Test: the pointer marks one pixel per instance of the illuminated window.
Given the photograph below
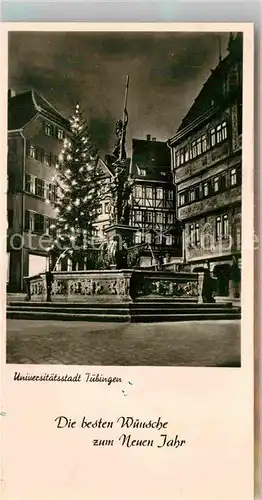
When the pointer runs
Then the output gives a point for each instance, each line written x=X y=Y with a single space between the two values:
x=148 y=238
x=206 y=189
x=233 y=177
x=191 y=234
x=60 y=134
x=159 y=194
x=225 y=226
x=197 y=234
x=48 y=129
x=149 y=193
x=138 y=216
x=204 y=143
x=107 y=208
x=192 y=195
x=224 y=131
x=213 y=136
x=198 y=146
x=194 y=149
x=216 y=184
x=138 y=238
x=149 y=217
x=159 y=217
x=141 y=171
x=182 y=199
x=177 y=159
x=218 y=228
x=32 y=152
x=168 y=239
x=138 y=191
x=186 y=155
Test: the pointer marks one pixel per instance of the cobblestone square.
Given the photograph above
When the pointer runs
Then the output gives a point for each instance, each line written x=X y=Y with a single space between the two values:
x=194 y=343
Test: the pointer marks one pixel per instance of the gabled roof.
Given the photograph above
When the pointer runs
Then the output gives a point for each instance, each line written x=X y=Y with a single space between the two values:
x=210 y=95
x=23 y=107
x=153 y=157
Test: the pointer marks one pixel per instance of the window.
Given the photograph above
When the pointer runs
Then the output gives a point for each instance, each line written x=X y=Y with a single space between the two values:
x=138 y=216
x=170 y=194
x=186 y=154
x=216 y=184
x=52 y=192
x=48 y=129
x=197 y=192
x=39 y=187
x=213 y=137
x=138 y=238
x=138 y=191
x=32 y=152
x=30 y=183
x=192 y=195
x=60 y=134
x=225 y=226
x=191 y=234
x=182 y=199
x=177 y=159
x=107 y=208
x=233 y=177
x=29 y=220
x=48 y=159
x=159 y=217
x=219 y=133
x=198 y=146
x=218 y=228
x=148 y=238
x=182 y=157
x=141 y=171
x=149 y=217
x=100 y=209
x=169 y=219
x=223 y=181
x=206 y=189
x=39 y=154
x=159 y=194
x=168 y=239
x=224 y=131
x=197 y=234
x=194 y=149
x=149 y=193
x=204 y=143
x=39 y=223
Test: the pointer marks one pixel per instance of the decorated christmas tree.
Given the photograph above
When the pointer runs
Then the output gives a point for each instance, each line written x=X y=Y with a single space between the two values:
x=78 y=180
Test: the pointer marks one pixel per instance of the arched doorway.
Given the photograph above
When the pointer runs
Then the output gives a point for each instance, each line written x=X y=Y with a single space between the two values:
x=223 y=274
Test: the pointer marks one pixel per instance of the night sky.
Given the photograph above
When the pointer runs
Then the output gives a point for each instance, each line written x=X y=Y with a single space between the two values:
x=166 y=70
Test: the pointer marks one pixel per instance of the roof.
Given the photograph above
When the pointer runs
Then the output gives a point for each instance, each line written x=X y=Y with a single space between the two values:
x=23 y=107
x=211 y=92
x=153 y=157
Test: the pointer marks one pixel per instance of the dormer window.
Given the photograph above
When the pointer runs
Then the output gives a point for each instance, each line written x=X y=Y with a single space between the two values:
x=142 y=171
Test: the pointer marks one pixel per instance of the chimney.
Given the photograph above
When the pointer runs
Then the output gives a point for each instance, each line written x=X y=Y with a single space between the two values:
x=11 y=93
x=154 y=139
x=148 y=137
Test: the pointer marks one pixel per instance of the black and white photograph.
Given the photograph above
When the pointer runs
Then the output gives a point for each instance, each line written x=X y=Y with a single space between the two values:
x=124 y=189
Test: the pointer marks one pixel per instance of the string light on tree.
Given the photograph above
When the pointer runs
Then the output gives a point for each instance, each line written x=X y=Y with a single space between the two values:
x=78 y=180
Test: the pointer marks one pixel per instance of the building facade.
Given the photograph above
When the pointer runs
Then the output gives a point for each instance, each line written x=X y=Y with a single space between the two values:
x=207 y=161
x=153 y=202
x=36 y=131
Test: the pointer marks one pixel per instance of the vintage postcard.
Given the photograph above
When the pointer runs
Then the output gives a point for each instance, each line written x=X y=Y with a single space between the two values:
x=127 y=261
